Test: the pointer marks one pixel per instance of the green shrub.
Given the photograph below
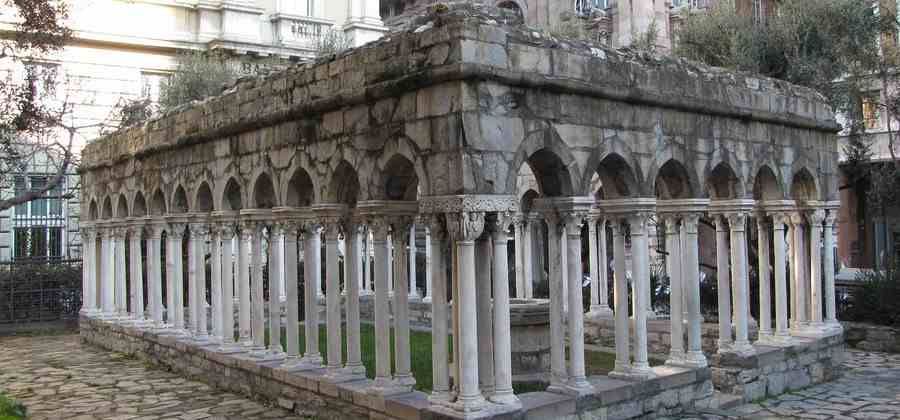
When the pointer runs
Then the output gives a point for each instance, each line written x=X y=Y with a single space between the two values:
x=11 y=409
x=876 y=299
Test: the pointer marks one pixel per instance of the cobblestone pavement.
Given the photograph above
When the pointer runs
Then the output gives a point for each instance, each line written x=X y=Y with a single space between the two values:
x=58 y=377
x=869 y=389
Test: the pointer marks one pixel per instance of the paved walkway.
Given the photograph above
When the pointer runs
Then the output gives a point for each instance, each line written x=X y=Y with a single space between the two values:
x=869 y=389
x=58 y=377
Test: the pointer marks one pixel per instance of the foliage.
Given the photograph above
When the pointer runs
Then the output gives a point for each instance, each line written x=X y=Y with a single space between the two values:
x=575 y=29
x=132 y=112
x=332 y=41
x=11 y=409
x=645 y=42
x=197 y=76
x=875 y=301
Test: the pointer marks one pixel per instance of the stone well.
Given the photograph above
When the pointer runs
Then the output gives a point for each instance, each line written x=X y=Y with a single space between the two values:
x=530 y=331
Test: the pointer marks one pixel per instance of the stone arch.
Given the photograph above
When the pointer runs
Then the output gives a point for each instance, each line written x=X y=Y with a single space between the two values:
x=766 y=185
x=517 y=6
x=179 y=201
x=803 y=186
x=398 y=147
x=550 y=145
x=618 y=179
x=122 y=207
x=722 y=183
x=399 y=180
x=344 y=186
x=231 y=198
x=107 y=208
x=158 y=203
x=93 y=211
x=139 y=208
x=300 y=191
x=527 y=200
x=263 y=193
x=203 y=201
x=673 y=181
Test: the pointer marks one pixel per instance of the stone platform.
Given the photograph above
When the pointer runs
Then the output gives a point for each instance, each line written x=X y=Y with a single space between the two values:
x=311 y=393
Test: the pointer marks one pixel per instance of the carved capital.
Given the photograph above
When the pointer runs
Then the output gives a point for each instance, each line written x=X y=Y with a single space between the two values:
x=671 y=222
x=466 y=226
x=689 y=223
x=830 y=218
x=499 y=225
x=816 y=217
x=198 y=230
x=573 y=221
x=737 y=221
x=435 y=225
x=779 y=220
x=638 y=222
x=797 y=219
x=379 y=227
x=177 y=230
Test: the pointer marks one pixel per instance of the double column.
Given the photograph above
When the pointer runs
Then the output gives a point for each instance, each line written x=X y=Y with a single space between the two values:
x=89 y=304
x=599 y=269
x=734 y=290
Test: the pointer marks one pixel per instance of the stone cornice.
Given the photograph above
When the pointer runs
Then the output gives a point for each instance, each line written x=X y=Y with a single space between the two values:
x=468 y=203
x=682 y=206
x=626 y=206
x=723 y=207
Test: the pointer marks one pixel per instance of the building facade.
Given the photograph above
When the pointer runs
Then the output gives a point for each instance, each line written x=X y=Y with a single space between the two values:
x=122 y=50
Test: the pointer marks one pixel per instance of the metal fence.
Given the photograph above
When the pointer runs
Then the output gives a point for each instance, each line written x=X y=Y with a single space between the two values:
x=33 y=291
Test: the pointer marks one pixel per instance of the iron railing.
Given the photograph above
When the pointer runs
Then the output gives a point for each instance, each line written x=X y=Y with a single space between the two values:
x=41 y=290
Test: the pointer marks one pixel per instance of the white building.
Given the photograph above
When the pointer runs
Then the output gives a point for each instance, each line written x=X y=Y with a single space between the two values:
x=122 y=49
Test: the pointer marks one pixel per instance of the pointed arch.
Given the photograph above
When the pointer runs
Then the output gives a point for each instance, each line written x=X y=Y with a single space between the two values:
x=107 y=208
x=231 y=196
x=300 y=192
x=93 y=211
x=139 y=208
x=344 y=186
x=561 y=172
x=179 y=201
x=203 y=201
x=673 y=181
x=766 y=185
x=158 y=203
x=722 y=183
x=803 y=186
x=397 y=147
x=263 y=193
x=617 y=178
x=122 y=207
x=399 y=180
x=527 y=200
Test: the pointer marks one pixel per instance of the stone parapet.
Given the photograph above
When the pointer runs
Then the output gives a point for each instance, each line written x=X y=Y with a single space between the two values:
x=872 y=337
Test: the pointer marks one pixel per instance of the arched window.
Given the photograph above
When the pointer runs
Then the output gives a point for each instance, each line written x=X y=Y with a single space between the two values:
x=511 y=5
x=587 y=7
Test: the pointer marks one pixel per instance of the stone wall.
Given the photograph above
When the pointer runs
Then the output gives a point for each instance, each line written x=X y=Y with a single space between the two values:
x=602 y=332
x=872 y=337
x=776 y=370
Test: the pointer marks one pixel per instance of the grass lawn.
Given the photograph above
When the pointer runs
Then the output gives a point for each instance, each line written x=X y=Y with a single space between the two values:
x=10 y=409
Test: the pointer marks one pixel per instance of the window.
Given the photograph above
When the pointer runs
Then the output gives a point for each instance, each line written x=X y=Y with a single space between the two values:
x=21 y=209
x=38 y=225
x=38 y=206
x=758 y=11
x=150 y=84
x=870 y=111
x=587 y=7
x=40 y=79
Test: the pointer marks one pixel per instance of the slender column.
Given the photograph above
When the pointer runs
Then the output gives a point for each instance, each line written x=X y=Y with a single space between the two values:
x=193 y=300
x=765 y=282
x=738 y=222
x=503 y=390
x=691 y=286
x=89 y=277
x=202 y=235
x=640 y=270
x=312 y=260
x=402 y=363
x=816 y=218
x=800 y=280
x=440 y=389
x=593 y=263
x=792 y=270
x=383 y=378
x=175 y=277
x=674 y=270
x=107 y=275
x=830 y=310
x=136 y=274
x=528 y=262
x=121 y=292
x=519 y=249
x=215 y=262
x=620 y=295
x=428 y=262
x=333 y=295
x=413 y=250
x=781 y=297
x=483 y=314
x=558 y=373
x=292 y=329
x=724 y=282
x=368 y=271
x=603 y=309
x=257 y=314
x=155 y=249
x=354 y=246
x=577 y=378
x=275 y=282
x=390 y=272
x=226 y=313
x=245 y=248
x=464 y=228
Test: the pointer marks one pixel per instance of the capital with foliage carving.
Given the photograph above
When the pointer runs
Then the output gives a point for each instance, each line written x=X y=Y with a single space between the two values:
x=573 y=221
x=499 y=225
x=465 y=226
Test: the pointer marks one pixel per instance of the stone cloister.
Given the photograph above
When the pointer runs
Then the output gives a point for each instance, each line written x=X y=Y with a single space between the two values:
x=434 y=130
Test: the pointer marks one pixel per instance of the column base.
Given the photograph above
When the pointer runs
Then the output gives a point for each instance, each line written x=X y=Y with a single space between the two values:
x=426 y=299
x=312 y=360
x=293 y=363
x=600 y=312
x=632 y=374
x=440 y=397
x=724 y=346
x=743 y=348
x=358 y=371
x=386 y=387
x=642 y=372
x=775 y=340
x=506 y=398
x=579 y=386
x=230 y=348
x=834 y=326
x=676 y=358
x=694 y=359
x=266 y=355
x=469 y=404
x=406 y=380
x=338 y=375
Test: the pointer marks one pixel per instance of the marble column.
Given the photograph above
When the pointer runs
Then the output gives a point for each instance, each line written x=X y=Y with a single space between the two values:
x=88 y=277
x=353 y=240
x=383 y=378
x=528 y=263
x=738 y=223
x=402 y=363
x=332 y=295
x=519 y=249
x=175 y=277
x=368 y=271
x=602 y=309
x=227 y=231
x=413 y=250
x=577 y=381
x=723 y=278
x=107 y=279
x=215 y=283
x=620 y=296
x=193 y=250
x=464 y=228
x=137 y=273
x=765 y=282
x=503 y=390
x=782 y=333
x=245 y=249
x=831 y=321
x=428 y=262
x=292 y=329
x=257 y=301
x=312 y=273
x=154 y=258
x=120 y=282
x=690 y=253
x=640 y=258
x=593 y=263
x=674 y=261
x=276 y=280
x=558 y=372
x=483 y=314
x=440 y=365
x=816 y=217
x=800 y=291
x=202 y=235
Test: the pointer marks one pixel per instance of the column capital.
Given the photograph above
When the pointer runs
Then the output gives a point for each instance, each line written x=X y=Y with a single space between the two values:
x=176 y=229
x=435 y=225
x=638 y=222
x=574 y=220
x=465 y=226
x=797 y=218
x=830 y=218
x=331 y=226
x=156 y=230
x=379 y=225
x=671 y=224
x=400 y=224
x=737 y=220
x=816 y=216
x=690 y=222
x=198 y=229
x=499 y=224
x=227 y=229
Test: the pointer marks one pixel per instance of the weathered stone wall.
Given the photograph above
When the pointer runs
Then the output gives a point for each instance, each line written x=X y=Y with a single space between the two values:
x=776 y=370
x=872 y=337
x=602 y=332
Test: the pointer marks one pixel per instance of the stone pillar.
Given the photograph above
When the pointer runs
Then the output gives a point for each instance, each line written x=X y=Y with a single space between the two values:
x=800 y=291
x=292 y=329
x=354 y=351
x=816 y=217
x=691 y=286
x=368 y=271
x=577 y=381
x=781 y=297
x=192 y=251
x=312 y=260
x=199 y=234
x=831 y=321
x=528 y=262
x=674 y=261
x=558 y=372
x=737 y=222
x=215 y=301
x=175 y=276
x=257 y=302
x=440 y=369
x=428 y=262
x=593 y=263
x=227 y=232
x=154 y=257
x=107 y=279
x=602 y=310
x=274 y=264
x=332 y=295
x=620 y=295
x=121 y=292
x=390 y=262
x=383 y=377
x=483 y=288
x=519 y=249
x=402 y=363
x=765 y=282
x=640 y=272
x=245 y=246
x=413 y=250
x=723 y=277
x=503 y=390
x=464 y=228
x=88 y=276
x=137 y=273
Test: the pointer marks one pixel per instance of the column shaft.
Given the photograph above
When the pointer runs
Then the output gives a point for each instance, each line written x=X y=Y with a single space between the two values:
x=156 y=275
x=312 y=260
x=257 y=306
x=332 y=296
x=428 y=262
x=227 y=298
x=354 y=262
x=594 y=264
x=519 y=249
x=402 y=363
x=723 y=275
x=828 y=266
x=765 y=282
x=108 y=274
x=440 y=365
x=528 y=263
x=815 y=268
x=121 y=272
x=741 y=290
x=381 y=270
x=558 y=373
x=137 y=275
x=640 y=249
x=577 y=377
x=781 y=296
x=200 y=270
x=215 y=294
x=483 y=314
x=691 y=286
x=245 y=246
x=603 y=272
x=465 y=228
x=292 y=329
x=276 y=281
x=674 y=270
x=503 y=390
x=620 y=295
